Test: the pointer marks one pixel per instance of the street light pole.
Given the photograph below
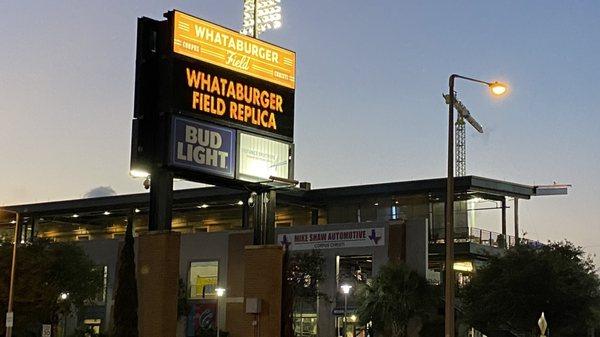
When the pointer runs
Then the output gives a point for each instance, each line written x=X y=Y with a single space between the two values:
x=345 y=313
x=346 y=290
x=497 y=89
x=449 y=215
x=9 y=311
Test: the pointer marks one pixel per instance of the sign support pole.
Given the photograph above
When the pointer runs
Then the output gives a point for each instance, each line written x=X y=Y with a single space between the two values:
x=161 y=200
x=264 y=218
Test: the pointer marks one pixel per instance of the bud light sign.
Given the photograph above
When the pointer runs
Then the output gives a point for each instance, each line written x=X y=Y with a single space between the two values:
x=202 y=147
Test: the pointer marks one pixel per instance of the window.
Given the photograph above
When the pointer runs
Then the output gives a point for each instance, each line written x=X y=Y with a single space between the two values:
x=305 y=324
x=203 y=279
x=100 y=298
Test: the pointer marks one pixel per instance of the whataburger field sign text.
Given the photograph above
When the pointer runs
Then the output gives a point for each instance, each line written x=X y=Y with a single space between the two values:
x=222 y=47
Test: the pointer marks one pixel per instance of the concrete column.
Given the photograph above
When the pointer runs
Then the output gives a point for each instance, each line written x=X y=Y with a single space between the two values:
x=417 y=244
x=326 y=319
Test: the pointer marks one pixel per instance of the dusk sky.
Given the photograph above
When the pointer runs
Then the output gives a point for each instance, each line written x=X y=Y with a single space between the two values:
x=369 y=109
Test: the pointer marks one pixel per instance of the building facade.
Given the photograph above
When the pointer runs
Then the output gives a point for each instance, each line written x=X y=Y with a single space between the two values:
x=356 y=229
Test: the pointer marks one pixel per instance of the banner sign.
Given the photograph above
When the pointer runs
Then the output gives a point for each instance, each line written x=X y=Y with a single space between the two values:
x=369 y=237
x=231 y=99
x=226 y=48
x=260 y=158
x=202 y=147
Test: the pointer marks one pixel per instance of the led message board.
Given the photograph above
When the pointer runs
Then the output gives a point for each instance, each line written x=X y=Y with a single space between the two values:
x=224 y=97
x=226 y=48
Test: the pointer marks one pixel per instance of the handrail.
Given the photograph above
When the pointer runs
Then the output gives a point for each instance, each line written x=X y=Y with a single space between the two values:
x=479 y=236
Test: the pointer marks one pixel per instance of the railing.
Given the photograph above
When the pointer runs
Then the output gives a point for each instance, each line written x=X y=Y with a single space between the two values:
x=478 y=236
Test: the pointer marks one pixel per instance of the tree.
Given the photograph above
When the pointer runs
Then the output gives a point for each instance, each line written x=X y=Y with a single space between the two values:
x=511 y=291
x=395 y=296
x=303 y=273
x=126 y=299
x=44 y=271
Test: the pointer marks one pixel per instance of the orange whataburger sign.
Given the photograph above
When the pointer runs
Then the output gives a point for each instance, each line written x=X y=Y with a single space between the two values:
x=225 y=48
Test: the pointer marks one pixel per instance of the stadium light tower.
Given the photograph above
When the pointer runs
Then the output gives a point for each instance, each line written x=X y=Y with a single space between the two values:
x=261 y=15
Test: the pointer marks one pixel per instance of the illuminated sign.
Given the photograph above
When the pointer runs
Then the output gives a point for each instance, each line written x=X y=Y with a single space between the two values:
x=260 y=158
x=349 y=238
x=228 y=98
x=202 y=147
x=226 y=48
x=203 y=93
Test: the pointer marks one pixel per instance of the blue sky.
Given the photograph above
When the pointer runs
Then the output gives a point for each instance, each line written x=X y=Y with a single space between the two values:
x=368 y=99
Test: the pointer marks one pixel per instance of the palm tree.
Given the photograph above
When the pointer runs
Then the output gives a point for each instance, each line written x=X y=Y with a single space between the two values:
x=395 y=296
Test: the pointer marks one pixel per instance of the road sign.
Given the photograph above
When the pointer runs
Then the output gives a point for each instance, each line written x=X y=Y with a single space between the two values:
x=10 y=317
x=46 y=330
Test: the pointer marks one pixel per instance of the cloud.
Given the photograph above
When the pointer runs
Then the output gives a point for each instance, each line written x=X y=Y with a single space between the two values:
x=100 y=191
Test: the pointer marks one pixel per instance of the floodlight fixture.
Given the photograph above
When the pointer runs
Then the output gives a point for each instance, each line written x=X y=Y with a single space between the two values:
x=139 y=173
x=267 y=14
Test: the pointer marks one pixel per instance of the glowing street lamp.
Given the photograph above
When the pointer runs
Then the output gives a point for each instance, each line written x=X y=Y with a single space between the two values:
x=497 y=89
x=61 y=298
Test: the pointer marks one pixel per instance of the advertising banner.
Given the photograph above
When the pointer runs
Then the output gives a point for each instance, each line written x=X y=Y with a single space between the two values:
x=368 y=237
x=226 y=97
x=202 y=147
x=229 y=49
x=260 y=158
